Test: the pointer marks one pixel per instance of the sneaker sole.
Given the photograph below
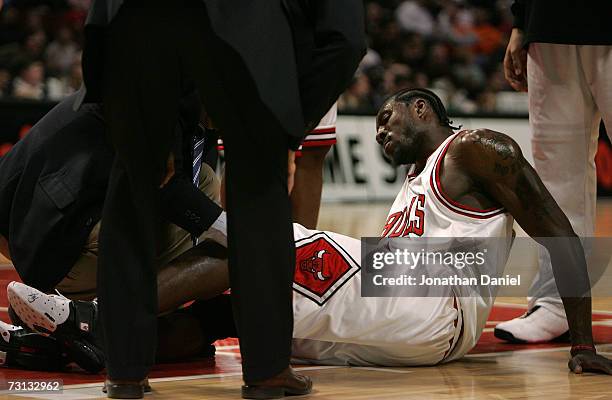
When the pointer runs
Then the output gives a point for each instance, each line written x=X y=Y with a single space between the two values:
x=35 y=316
x=507 y=336
x=510 y=338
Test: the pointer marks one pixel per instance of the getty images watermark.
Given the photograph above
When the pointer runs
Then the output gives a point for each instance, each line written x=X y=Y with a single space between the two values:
x=464 y=267
x=457 y=260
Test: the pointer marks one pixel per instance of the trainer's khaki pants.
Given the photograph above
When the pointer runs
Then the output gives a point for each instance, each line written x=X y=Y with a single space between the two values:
x=80 y=283
x=570 y=92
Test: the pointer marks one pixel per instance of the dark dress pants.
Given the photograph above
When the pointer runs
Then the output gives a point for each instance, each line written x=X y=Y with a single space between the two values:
x=151 y=51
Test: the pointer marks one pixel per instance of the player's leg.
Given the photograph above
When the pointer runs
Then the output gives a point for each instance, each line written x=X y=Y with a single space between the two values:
x=189 y=332
x=564 y=123
x=182 y=334
x=198 y=274
x=306 y=194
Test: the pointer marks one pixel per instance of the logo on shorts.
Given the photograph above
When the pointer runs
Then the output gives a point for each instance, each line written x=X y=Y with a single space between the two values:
x=322 y=267
x=315 y=265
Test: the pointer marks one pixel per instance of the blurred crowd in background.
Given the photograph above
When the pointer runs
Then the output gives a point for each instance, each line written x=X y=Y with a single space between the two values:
x=454 y=47
x=40 y=48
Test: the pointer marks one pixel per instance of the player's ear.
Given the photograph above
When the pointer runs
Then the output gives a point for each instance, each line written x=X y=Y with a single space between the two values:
x=420 y=107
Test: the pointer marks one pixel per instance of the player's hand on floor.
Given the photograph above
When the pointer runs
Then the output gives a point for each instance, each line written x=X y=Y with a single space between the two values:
x=589 y=361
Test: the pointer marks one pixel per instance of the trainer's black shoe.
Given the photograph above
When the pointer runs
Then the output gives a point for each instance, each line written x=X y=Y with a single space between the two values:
x=287 y=383
x=126 y=390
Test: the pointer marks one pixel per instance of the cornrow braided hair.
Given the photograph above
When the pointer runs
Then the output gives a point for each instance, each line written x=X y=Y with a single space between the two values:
x=407 y=95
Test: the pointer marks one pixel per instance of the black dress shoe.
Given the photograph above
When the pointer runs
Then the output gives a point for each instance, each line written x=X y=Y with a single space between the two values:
x=287 y=383
x=126 y=389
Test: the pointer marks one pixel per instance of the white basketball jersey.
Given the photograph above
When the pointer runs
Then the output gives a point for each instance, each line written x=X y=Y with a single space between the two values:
x=422 y=208
x=335 y=325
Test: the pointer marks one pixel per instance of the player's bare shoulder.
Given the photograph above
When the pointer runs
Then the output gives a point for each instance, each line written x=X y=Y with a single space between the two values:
x=483 y=151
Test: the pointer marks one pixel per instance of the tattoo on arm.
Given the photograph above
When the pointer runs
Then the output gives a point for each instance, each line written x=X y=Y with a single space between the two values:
x=501 y=145
x=503 y=159
x=506 y=161
x=503 y=170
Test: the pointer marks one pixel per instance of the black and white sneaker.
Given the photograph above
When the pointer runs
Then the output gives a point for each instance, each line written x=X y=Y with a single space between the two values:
x=72 y=323
x=40 y=312
x=20 y=348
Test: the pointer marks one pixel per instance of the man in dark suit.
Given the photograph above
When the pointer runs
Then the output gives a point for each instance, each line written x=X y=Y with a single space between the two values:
x=52 y=184
x=241 y=54
x=44 y=214
x=52 y=187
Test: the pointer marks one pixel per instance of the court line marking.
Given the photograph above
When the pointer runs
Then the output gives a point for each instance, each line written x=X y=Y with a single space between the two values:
x=194 y=377
x=395 y=371
x=603 y=322
x=236 y=374
x=524 y=307
x=526 y=351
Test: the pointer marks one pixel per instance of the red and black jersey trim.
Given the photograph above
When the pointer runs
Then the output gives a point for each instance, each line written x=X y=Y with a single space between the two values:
x=319 y=143
x=319 y=137
x=451 y=204
x=327 y=129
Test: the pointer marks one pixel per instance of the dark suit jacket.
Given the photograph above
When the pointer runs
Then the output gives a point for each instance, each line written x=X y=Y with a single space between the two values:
x=298 y=85
x=52 y=186
x=53 y=183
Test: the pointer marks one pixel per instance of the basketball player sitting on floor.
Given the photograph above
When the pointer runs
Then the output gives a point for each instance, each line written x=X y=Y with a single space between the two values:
x=465 y=184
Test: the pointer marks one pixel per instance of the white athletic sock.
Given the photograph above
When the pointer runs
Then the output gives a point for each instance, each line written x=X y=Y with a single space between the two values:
x=220 y=223
x=218 y=230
